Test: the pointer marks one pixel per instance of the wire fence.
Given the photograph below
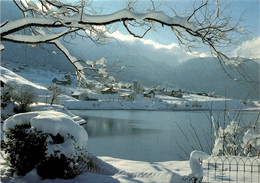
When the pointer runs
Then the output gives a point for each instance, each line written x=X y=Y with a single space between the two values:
x=232 y=169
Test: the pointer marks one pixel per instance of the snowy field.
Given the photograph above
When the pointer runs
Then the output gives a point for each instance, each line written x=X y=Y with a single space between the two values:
x=114 y=170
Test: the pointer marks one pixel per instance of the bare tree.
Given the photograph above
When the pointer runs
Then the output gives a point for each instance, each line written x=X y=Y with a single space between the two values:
x=55 y=92
x=45 y=21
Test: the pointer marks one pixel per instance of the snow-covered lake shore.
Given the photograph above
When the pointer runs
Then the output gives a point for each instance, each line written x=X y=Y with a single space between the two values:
x=169 y=104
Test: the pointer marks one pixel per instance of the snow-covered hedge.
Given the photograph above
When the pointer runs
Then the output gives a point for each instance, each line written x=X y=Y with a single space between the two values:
x=49 y=141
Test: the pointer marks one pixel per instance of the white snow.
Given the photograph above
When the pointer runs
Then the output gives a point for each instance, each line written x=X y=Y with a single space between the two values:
x=42 y=79
x=158 y=16
x=195 y=165
x=108 y=169
x=232 y=127
x=51 y=122
x=13 y=24
x=67 y=148
x=106 y=101
x=114 y=170
x=9 y=76
x=252 y=138
x=35 y=38
x=218 y=146
x=159 y=102
x=2 y=47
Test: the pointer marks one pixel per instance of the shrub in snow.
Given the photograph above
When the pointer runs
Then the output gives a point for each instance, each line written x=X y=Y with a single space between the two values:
x=228 y=140
x=24 y=149
x=251 y=141
x=47 y=141
x=23 y=96
x=7 y=106
x=7 y=92
x=234 y=140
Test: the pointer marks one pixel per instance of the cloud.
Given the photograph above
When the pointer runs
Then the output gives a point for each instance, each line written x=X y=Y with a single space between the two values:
x=249 y=49
x=153 y=50
x=126 y=47
x=123 y=37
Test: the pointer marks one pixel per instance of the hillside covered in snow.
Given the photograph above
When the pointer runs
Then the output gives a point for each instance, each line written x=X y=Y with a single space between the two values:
x=122 y=96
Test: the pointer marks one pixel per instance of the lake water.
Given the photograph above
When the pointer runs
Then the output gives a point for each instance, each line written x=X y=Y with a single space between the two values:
x=151 y=135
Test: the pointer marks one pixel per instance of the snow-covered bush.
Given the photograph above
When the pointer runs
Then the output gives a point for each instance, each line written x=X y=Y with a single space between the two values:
x=48 y=141
x=251 y=141
x=235 y=140
x=228 y=141
x=25 y=150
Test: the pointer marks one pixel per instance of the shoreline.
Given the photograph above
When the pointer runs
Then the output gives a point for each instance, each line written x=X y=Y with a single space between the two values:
x=179 y=110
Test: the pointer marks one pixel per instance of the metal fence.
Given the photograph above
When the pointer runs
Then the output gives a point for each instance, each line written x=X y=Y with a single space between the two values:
x=231 y=169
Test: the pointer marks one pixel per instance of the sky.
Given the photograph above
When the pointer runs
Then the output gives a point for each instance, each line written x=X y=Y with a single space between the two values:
x=164 y=38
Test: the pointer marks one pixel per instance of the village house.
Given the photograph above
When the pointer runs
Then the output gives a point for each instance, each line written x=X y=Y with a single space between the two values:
x=61 y=82
x=108 y=91
x=83 y=96
x=127 y=97
x=149 y=93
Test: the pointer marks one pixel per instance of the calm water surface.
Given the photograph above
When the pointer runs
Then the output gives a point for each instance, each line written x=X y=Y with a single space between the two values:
x=149 y=135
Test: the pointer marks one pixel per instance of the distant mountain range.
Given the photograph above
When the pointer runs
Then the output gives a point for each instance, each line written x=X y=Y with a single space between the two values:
x=150 y=68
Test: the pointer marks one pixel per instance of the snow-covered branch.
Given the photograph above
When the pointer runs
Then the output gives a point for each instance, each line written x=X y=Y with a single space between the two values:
x=33 y=39
x=56 y=19
x=2 y=47
x=19 y=24
x=73 y=60
x=76 y=21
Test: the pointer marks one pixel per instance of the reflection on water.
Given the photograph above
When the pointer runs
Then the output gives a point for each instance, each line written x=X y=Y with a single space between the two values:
x=102 y=127
x=145 y=135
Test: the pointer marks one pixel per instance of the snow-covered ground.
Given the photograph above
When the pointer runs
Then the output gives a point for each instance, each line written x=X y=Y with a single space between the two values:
x=114 y=170
x=161 y=102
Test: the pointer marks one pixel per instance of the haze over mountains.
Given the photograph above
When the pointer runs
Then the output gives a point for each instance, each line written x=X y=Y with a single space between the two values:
x=146 y=63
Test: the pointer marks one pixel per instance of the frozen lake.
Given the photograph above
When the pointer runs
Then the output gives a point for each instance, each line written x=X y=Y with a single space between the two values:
x=150 y=135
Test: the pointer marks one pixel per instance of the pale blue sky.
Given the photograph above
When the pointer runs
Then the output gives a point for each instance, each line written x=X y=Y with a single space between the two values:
x=248 y=9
